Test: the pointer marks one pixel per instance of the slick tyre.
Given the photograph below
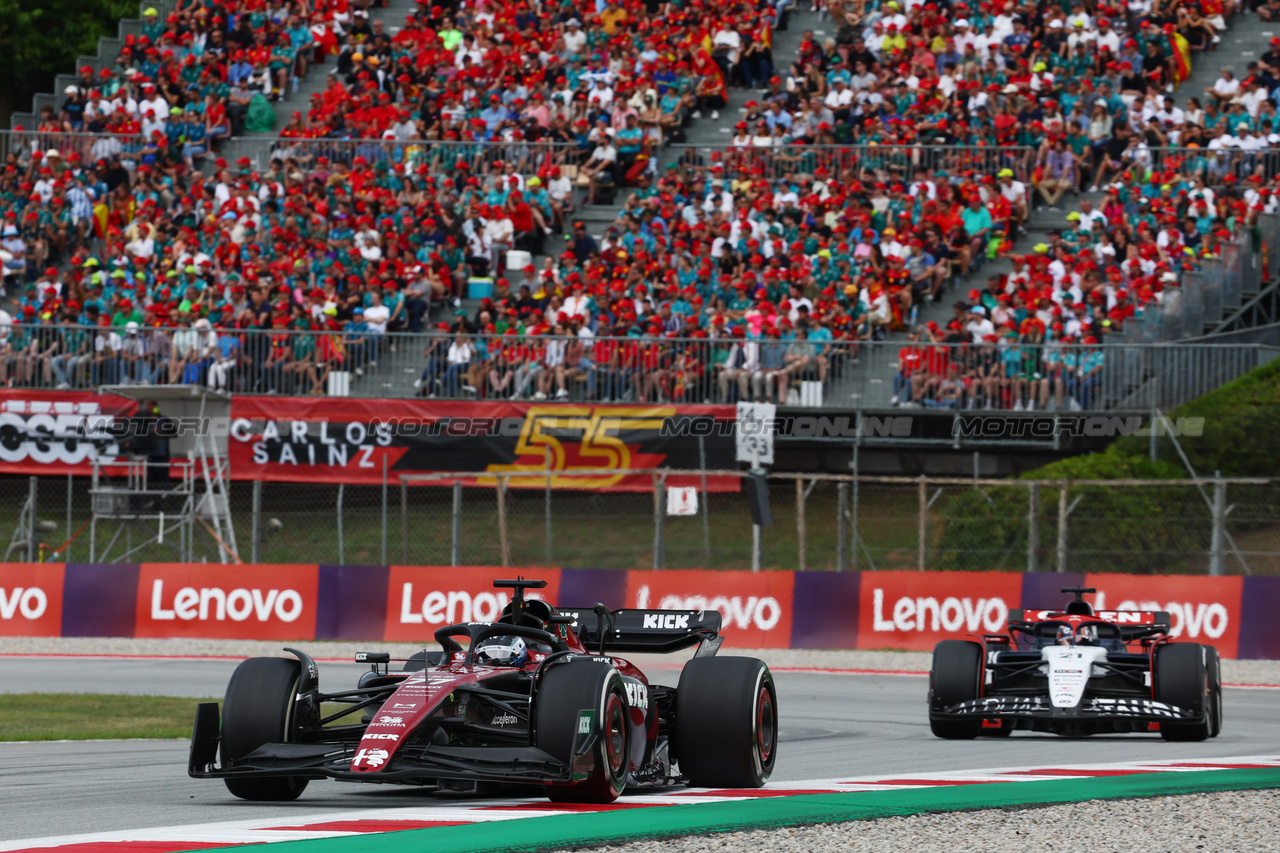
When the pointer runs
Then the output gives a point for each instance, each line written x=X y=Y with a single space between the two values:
x=1182 y=679
x=258 y=708
x=726 y=733
x=1213 y=668
x=566 y=689
x=955 y=677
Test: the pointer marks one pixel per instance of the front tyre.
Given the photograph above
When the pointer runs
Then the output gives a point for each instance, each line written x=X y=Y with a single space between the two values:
x=257 y=709
x=1182 y=679
x=566 y=689
x=726 y=722
x=955 y=677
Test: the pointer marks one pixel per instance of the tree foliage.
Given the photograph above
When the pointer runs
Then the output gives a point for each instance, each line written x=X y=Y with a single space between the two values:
x=1132 y=529
x=41 y=40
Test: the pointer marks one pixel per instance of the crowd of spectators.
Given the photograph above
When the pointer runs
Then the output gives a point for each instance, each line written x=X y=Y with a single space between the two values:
x=738 y=274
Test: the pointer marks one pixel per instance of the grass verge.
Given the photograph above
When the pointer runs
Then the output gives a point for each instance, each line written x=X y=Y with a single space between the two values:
x=94 y=716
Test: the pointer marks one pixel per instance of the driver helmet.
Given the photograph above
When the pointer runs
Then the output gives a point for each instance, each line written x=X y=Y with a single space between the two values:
x=1064 y=635
x=1087 y=635
x=502 y=651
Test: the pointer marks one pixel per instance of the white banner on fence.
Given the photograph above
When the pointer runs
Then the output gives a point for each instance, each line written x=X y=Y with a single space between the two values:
x=682 y=500
x=753 y=437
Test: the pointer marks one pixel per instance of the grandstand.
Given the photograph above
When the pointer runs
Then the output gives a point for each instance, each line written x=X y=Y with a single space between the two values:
x=694 y=223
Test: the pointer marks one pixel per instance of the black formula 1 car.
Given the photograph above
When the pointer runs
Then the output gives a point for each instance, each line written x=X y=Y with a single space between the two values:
x=1076 y=672
x=536 y=697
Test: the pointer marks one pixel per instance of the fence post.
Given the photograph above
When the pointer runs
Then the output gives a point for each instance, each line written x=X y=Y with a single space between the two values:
x=659 y=487
x=1062 y=528
x=842 y=496
x=706 y=520
x=33 y=491
x=66 y=554
x=455 y=552
x=503 y=546
x=384 y=509
x=404 y=520
x=546 y=455
x=1033 y=528
x=255 y=522
x=341 y=552
x=922 y=491
x=800 y=531
x=853 y=520
x=1219 y=522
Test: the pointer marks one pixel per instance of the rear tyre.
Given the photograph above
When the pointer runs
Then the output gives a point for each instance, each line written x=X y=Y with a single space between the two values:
x=1213 y=669
x=955 y=677
x=726 y=732
x=1182 y=679
x=257 y=709
x=565 y=690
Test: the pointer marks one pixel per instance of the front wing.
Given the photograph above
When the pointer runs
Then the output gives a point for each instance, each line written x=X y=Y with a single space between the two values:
x=1097 y=708
x=412 y=764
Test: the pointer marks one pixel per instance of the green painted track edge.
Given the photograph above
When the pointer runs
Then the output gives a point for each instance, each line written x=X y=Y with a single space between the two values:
x=555 y=832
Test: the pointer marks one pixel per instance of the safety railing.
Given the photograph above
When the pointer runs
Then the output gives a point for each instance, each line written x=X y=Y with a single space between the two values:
x=815 y=372
x=865 y=162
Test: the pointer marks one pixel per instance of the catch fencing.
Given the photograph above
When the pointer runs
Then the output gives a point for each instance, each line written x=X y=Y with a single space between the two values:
x=1214 y=526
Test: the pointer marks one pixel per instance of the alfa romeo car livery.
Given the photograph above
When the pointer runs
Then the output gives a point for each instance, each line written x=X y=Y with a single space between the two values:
x=1076 y=672
x=537 y=697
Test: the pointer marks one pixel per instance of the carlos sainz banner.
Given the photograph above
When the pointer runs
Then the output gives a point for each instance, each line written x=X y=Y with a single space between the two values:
x=332 y=440
x=350 y=440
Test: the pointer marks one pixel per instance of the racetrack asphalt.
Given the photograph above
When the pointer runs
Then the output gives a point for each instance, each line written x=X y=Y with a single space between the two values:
x=831 y=725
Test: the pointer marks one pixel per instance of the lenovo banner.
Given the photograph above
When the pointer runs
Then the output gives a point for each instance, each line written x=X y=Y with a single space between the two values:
x=914 y=610
x=799 y=610
x=31 y=600
x=755 y=608
x=1201 y=609
x=275 y=602
x=60 y=432
x=349 y=441
x=422 y=599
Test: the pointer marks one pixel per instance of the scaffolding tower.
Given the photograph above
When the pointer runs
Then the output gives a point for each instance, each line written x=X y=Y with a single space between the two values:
x=132 y=511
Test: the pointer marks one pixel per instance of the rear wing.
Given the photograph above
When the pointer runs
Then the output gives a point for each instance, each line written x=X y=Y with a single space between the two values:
x=640 y=631
x=1133 y=624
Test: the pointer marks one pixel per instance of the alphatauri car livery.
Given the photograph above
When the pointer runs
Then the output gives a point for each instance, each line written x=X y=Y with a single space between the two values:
x=537 y=697
x=1076 y=672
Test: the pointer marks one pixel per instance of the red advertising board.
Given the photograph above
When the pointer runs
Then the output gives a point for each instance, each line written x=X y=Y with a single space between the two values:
x=1201 y=609
x=31 y=599
x=914 y=610
x=58 y=432
x=275 y=602
x=309 y=439
x=421 y=599
x=755 y=608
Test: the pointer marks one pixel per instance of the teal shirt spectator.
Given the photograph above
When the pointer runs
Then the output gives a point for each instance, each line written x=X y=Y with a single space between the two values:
x=629 y=140
x=820 y=337
x=300 y=37
x=976 y=221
